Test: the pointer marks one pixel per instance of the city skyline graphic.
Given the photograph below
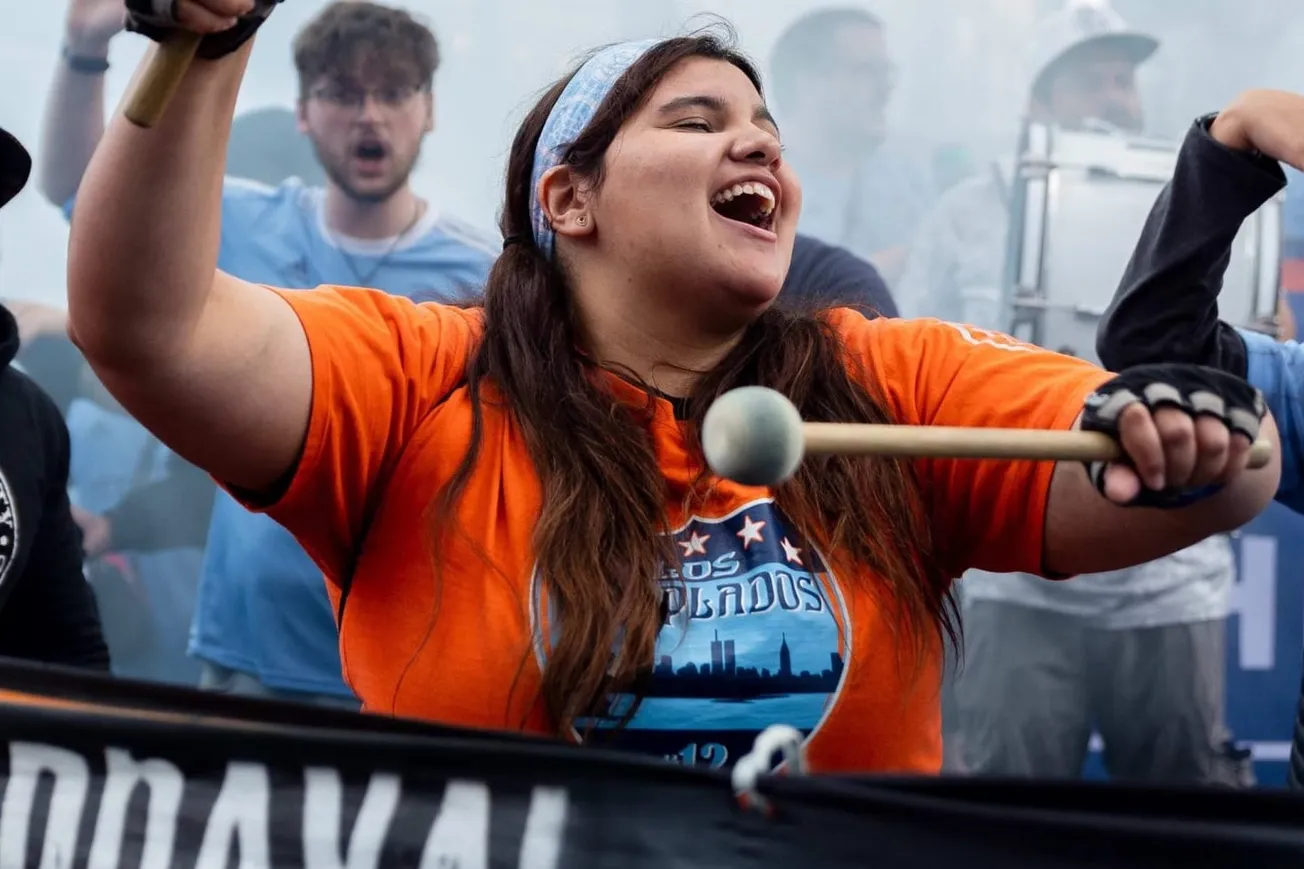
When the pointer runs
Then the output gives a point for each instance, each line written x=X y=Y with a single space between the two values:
x=754 y=634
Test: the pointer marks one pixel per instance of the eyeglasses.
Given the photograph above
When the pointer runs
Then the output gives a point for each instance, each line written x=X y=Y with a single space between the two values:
x=355 y=98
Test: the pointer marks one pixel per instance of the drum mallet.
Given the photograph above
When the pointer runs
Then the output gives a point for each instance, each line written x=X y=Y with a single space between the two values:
x=160 y=79
x=755 y=436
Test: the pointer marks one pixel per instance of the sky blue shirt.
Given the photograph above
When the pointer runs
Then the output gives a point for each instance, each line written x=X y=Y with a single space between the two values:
x=1277 y=369
x=262 y=606
x=111 y=455
x=1292 y=215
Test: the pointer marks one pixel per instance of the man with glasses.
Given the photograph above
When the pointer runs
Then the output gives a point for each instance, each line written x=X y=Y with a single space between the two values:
x=831 y=80
x=263 y=624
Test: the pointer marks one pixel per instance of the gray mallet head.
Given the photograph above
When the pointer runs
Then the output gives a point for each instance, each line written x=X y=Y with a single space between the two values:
x=752 y=435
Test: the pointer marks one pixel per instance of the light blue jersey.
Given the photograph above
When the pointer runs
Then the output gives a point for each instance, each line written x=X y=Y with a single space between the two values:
x=262 y=605
x=1277 y=369
x=111 y=455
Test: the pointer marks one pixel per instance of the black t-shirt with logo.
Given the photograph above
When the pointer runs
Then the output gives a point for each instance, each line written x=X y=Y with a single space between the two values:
x=47 y=609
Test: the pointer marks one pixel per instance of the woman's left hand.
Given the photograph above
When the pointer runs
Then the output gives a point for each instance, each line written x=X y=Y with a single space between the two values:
x=1185 y=429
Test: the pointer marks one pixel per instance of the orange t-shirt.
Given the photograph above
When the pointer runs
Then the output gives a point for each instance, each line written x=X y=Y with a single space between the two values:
x=759 y=632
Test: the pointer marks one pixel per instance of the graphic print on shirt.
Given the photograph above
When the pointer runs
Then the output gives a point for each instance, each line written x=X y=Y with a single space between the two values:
x=8 y=527
x=979 y=336
x=756 y=633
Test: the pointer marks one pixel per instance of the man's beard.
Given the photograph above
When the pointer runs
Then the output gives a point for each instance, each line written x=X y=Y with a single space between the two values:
x=340 y=178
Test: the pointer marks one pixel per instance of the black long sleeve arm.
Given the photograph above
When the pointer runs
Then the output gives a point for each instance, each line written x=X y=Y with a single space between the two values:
x=1166 y=307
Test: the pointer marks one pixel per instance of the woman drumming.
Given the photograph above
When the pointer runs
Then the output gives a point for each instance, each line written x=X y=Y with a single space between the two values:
x=509 y=503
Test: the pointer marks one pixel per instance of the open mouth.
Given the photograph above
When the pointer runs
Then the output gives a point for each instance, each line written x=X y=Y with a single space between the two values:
x=751 y=203
x=370 y=151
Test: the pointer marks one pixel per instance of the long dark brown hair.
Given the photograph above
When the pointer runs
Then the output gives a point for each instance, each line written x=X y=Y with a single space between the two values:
x=602 y=487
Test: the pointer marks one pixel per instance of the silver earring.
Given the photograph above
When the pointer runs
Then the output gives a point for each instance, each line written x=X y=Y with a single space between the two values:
x=582 y=220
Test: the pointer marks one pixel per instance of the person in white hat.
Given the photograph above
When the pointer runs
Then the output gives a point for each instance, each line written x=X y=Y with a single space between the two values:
x=1082 y=73
x=1136 y=654
x=1084 y=64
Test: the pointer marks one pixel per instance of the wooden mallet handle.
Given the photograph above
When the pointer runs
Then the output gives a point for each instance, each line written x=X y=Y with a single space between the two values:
x=154 y=89
x=926 y=441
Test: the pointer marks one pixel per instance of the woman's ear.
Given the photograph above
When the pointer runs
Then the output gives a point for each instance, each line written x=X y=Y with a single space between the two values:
x=565 y=203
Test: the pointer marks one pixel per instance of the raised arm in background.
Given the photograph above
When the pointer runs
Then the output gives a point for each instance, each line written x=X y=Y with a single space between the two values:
x=74 y=109
x=218 y=368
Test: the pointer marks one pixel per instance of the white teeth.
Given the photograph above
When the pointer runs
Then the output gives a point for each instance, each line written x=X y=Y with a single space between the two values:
x=753 y=188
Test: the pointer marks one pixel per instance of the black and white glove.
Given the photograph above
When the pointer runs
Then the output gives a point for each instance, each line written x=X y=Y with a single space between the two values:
x=1193 y=389
x=157 y=20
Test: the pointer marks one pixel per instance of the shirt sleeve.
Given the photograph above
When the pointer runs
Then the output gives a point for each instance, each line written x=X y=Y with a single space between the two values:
x=1277 y=369
x=1292 y=233
x=379 y=364
x=986 y=514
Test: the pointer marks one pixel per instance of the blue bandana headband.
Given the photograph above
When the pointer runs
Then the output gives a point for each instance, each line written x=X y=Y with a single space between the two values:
x=572 y=112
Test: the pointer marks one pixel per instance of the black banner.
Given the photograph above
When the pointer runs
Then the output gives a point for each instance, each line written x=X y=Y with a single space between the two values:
x=98 y=774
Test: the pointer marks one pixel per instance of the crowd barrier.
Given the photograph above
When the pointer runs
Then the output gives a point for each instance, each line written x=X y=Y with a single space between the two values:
x=100 y=773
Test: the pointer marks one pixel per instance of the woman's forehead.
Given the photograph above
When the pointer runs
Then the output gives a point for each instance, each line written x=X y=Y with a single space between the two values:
x=706 y=77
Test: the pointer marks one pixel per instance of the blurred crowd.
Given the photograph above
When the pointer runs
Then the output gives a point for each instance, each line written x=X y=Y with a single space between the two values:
x=195 y=590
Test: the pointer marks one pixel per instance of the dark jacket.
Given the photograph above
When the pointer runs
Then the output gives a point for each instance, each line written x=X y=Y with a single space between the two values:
x=47 y=609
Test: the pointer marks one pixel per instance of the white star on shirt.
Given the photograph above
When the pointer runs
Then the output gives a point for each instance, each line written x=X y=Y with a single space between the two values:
x=751 y=532
x=791 y=552
x=695 y=544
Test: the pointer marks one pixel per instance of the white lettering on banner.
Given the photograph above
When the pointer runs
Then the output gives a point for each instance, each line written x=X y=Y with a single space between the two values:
x=323 y=811
x=241 y=817
x=1254 y=599
x=27 y=763
x=240 y=813
x=165 y=785
x=459 y=838
x=545 y=827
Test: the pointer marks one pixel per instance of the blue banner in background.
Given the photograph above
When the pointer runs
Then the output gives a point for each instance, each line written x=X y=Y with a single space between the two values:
x=1265 y=642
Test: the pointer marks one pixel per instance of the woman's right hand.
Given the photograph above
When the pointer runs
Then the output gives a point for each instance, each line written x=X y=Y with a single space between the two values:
x=211 y=16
